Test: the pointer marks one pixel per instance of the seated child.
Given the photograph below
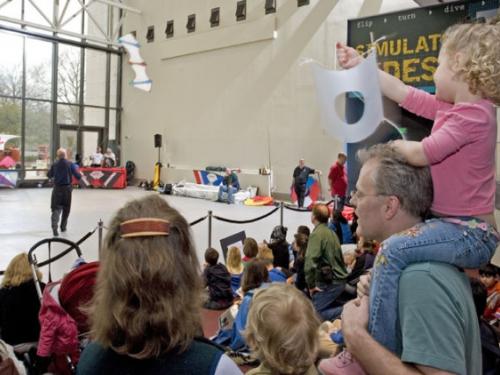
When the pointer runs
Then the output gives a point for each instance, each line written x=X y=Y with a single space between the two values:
x=254 y=276
x=265 y=254
x=235 y=267
x=279 y=246
x=300 y=243
x=282 y=331
x=250 y=250
x=293 y=249
x=490 y=277
x=218 y=282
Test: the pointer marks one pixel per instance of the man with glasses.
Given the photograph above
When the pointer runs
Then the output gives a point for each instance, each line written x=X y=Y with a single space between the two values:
x=436 y=327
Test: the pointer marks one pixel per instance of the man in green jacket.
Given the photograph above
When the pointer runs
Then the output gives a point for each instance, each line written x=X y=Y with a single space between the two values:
x=324 y=265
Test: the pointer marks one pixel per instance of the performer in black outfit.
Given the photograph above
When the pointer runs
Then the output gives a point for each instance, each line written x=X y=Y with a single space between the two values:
x=61 y=172
x=300 y=175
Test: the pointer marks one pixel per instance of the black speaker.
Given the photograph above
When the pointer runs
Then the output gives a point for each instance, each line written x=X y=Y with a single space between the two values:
x=158 y=140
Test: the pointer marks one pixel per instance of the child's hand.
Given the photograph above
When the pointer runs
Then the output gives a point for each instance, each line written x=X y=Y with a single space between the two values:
x=347 y=57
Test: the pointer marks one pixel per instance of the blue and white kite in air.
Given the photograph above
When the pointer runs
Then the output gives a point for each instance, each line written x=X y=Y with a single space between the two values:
x=131 y=45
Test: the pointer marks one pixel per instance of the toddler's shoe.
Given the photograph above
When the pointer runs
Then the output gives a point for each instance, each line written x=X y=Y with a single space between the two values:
x=342 y=364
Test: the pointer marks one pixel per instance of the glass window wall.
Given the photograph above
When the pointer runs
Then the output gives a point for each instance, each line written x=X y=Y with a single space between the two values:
x=55 y=90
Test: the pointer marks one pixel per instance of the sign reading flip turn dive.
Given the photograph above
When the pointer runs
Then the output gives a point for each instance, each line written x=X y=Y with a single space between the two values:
x=413 y=37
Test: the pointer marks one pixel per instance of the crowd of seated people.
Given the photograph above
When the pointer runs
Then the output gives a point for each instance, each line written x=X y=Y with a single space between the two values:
x=136 y=273
x=146 y=313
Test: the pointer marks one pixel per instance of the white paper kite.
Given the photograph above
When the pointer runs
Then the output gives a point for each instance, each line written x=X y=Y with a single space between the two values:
x=363 y=79
x=131 y=45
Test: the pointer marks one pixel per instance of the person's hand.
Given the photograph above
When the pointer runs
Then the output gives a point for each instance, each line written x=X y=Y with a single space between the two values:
x=347 y=57
x=315 y=290
x=363 y=287
x=396 y=144
x=319 y=172
x=355 y=318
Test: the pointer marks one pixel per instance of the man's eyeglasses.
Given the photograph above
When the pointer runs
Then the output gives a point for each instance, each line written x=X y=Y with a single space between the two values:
x=360 y=195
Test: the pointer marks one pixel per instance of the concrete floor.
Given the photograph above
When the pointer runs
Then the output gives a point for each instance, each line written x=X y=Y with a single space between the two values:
x=25 y=220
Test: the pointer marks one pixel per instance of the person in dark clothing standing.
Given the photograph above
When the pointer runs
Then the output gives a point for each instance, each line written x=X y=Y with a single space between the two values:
x=218 y=281
x=300 y=174
x=61 y=172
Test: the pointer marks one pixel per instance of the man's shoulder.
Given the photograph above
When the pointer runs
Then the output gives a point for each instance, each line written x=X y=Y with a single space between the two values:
x=432 y=269
x=434 y=276
x=438 y=320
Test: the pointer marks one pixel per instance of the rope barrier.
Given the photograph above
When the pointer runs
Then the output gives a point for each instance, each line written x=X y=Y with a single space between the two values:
x=291 y=208
x=59 y=256
x=246 y=221
x=197 y=221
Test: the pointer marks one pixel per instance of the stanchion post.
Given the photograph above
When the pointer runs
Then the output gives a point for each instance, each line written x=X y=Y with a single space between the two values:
x=210 y=228
x=100 y=226
x=282 y=208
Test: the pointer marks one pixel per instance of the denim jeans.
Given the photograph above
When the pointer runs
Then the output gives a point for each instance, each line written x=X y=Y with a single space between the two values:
x=325 y=301
x=230 y=193
x=461 y=241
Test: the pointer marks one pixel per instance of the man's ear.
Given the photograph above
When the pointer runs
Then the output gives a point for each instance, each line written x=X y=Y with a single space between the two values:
x=391 y=207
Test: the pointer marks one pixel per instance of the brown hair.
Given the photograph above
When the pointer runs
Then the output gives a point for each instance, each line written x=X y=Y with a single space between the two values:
x=19 y=271
x=265 y=254
x=304 y=229
x=479 y=44
x=148 y=294
x=394 y=176
x=254 y=275
x=321 y=213
x=367 y=246
x=211 y=256
x=250 y=247
x=301 y=241
x=282 y=329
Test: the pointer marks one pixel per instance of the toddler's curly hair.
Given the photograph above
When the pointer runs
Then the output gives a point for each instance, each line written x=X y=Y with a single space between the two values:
x=480 y=45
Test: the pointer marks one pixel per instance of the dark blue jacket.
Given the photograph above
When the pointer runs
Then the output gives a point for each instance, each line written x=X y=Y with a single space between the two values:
x=62 y=170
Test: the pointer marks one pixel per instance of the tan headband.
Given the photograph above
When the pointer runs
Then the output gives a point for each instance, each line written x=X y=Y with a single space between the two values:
x=145 y=227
